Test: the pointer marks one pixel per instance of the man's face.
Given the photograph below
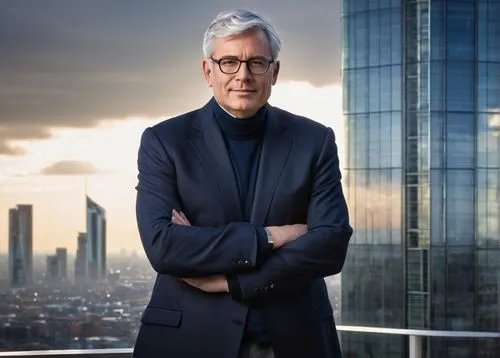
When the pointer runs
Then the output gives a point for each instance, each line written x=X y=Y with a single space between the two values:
x=241 y=93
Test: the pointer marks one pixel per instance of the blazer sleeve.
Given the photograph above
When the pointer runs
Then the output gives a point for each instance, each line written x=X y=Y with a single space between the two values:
x=183 y=251
x=320 y=252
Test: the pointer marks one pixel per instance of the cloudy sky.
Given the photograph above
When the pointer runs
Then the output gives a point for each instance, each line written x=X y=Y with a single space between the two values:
x=80 y=80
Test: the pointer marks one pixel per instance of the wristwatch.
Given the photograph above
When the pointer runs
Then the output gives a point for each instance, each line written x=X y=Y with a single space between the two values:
x=270 y=240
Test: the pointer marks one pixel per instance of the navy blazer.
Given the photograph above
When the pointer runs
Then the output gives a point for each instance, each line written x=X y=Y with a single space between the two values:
x=183 y=164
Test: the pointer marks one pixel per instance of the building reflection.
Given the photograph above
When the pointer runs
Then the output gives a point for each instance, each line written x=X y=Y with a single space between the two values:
x=421 y=106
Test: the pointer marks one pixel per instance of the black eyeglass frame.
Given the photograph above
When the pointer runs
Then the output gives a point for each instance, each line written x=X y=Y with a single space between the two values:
x=247 y=62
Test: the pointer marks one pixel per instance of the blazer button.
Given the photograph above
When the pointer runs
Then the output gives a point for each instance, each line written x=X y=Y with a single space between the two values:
x=246 y=262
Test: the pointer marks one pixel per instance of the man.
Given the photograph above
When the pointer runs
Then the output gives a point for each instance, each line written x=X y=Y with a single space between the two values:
x=241 y=213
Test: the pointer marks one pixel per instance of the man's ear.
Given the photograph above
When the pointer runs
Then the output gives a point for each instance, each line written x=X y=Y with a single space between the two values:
x=207 y=72
x=276 y=70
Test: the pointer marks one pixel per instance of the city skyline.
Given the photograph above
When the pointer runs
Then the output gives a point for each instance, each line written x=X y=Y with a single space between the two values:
x=73 y=108
x=90 y=254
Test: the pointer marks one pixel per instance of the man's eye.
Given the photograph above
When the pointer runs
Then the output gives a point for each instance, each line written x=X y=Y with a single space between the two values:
x=258 y=63
x=229 y=62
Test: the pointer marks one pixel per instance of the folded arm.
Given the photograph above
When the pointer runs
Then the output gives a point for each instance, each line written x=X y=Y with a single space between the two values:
x=219 y=283
x=320 y=252
x=182 y=250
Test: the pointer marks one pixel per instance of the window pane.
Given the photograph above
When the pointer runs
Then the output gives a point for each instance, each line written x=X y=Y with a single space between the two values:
x=385 y=88
x=350 y=126
x=437 y=26
x=482 y=32
x=395 y=26
x=460 y=147
x=374 y=36
x=494 y=32
x=373 y=4
x=385 y=145
x=385 y=37
x=396 y=88
x=460 y=288
x=482 y=87
x=396 y=140
x=493 y=87
x=460 y=207
x=436 y=207
x=437 y=84
x=460 y=86
x=374 y=141
x=374 y=91
x=361 y=42
x=361 y=142
x=460 y=30
x=361 y=91
x=359 y=5
x=437 y=139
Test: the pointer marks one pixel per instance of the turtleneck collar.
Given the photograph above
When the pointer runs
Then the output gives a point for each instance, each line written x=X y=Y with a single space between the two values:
x=236 y=128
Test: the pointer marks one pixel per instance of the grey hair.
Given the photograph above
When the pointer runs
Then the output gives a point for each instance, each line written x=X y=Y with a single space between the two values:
x=238 y=21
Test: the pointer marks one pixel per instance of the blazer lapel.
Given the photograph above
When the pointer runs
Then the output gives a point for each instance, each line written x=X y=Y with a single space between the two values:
x=208 y=143
x=275 y=150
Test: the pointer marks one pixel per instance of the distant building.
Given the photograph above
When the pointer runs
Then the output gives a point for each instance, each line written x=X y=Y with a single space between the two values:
x=95 y=264
x=114 y=277
x=52 y=268
x=21 y=245
x=57 y=265
x=62 y=257
x=81 y=257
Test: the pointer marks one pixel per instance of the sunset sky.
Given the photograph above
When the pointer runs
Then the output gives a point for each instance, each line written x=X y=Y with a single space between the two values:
x=81 y=80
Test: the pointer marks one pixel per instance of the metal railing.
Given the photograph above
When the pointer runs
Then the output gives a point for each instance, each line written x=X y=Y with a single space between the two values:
x=415 y=337
x=73 y=353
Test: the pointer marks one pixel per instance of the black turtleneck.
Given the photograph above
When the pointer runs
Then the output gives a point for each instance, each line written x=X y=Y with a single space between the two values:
x=243 y=139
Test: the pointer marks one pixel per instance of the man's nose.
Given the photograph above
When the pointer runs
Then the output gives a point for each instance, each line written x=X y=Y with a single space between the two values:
x=244 y=73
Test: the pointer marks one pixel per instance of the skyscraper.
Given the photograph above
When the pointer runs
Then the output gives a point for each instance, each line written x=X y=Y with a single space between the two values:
x=62 y=258
x=95 y=263
x=57 y=265
x=422 y=110
x=52 y=272
x=81 y=257
x=21 y=245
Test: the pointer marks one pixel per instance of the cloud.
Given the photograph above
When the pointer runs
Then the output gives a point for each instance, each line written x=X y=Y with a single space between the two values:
x=69 y=167
x=6 y=149
x=73 y=64
x=19 y=132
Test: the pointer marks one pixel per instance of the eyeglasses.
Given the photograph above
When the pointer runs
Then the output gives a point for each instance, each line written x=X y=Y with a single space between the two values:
x=231 y=65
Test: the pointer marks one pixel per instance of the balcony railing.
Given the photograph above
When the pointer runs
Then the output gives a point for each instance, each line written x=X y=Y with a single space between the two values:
x=415 y=337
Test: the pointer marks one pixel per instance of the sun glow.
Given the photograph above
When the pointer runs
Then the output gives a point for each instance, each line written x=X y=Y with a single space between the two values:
x=321 y=104
x=112 y=148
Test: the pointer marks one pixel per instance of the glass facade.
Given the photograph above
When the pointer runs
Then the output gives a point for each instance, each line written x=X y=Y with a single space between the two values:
x=95 y=256
x=422 y=110
x=21 y=246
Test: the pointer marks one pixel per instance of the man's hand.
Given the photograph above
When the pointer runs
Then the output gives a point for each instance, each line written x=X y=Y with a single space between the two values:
x=217 y=283
x=281 y=234
x=286 y=233
x=179 y=218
